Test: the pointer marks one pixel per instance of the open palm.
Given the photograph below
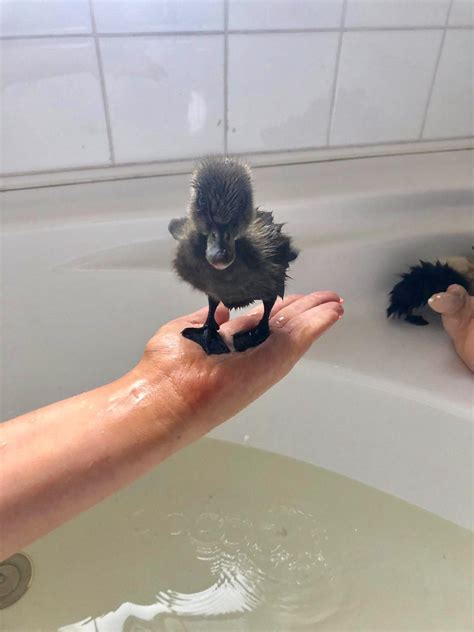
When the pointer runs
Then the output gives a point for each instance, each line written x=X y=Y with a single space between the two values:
x=209 y=389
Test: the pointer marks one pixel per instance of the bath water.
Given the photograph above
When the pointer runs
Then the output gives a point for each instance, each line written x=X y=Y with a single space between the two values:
x=230 y=538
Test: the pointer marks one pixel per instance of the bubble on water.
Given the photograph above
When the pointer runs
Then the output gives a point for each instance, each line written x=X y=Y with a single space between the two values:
x=208 y=527
x=176 y=524
x=143 y=531
x=235 y=531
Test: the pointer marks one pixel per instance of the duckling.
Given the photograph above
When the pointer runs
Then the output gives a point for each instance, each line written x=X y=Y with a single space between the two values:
x=426 y=279
x=230 y=250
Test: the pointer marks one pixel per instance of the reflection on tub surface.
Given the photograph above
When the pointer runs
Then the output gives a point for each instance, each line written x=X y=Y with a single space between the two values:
x=223 y=537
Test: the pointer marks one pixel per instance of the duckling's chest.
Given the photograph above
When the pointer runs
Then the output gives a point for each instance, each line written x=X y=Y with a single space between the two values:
x=247 y=279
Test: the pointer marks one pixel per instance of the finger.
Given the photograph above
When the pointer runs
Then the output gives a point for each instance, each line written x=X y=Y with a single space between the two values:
x=457 y=312
x=222 y=314
x=284 y=302
x=251 y=319
x=287 y=344
x=301 y=305
x=199 y=317
x=449 y=302
x=309 y=325
x=243 y=323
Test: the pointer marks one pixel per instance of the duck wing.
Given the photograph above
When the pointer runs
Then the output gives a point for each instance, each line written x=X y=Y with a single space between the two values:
x=177 y=227
x=269 y=239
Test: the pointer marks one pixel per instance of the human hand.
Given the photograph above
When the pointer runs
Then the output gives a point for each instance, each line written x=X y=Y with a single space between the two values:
x=202 y=391
x=64 y=458
x=457 y=311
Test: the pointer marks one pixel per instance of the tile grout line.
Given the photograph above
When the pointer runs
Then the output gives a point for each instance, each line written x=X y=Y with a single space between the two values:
x=336 y=29
x=105 y=101
x=187 y=171
x=336 y=74
x=226 y=76
x=334 y=149
x=435 y=72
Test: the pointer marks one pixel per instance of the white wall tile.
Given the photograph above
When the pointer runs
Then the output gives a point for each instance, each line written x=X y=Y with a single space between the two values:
x=451 y=111
x=383 y=85
x=284 y=14
x=52 y=112
x=165 y=95
x=462 y=13
x=279 y=90
x=44 y=17
x=144 y=16
x=386 y=13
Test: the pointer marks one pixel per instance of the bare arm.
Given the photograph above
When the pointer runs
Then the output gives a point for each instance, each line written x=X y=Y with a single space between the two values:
x=62 y=459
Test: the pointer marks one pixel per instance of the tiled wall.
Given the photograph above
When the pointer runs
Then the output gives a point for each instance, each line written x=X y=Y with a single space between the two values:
x=103 y=82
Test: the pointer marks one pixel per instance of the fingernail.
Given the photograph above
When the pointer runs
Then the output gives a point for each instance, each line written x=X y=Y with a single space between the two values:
x=341 y=300
x=448 y=302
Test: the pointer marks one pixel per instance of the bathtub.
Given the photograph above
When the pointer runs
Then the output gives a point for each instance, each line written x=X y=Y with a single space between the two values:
x=87 y=280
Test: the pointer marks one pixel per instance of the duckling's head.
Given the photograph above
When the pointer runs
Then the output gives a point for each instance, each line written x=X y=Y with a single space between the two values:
x=221 y=206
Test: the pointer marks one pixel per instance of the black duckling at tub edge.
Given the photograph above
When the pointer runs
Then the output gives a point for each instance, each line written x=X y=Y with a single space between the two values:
x=230 y=250
x=423 y=280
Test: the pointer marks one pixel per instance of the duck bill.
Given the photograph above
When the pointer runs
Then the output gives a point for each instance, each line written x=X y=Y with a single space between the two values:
x=220 y=253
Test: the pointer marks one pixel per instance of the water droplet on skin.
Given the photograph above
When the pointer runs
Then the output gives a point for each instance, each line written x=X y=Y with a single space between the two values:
x=280 y=321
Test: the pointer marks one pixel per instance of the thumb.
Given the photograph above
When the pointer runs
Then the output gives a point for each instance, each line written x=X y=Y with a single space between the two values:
x=453 y=302
x=455 y=307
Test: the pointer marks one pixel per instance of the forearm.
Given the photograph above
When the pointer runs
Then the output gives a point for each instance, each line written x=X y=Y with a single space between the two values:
x=62 y=459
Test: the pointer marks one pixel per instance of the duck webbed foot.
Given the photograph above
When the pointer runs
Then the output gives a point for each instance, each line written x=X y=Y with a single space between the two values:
x=253 y=337
x=207 y=336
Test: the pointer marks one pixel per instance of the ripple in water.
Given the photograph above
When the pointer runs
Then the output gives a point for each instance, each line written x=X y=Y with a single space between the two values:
x=276 y=568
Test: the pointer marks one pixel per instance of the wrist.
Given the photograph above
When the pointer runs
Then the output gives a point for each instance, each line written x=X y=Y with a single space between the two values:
x=152 y=396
